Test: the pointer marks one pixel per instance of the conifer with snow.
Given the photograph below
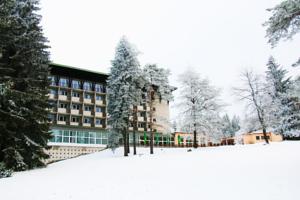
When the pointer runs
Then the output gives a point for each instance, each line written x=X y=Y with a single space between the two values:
x=124 y=90
x=24 y=81
x=284 y=22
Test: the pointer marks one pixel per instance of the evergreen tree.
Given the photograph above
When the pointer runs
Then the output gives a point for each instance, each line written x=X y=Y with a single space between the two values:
x=157 y=86
x=284 y=22
x=124 y=91
x=230 y=126
x=24 y=80
x=277 y=87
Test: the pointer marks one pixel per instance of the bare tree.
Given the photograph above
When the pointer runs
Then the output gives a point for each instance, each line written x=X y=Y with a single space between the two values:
x=254 y=92
x=199 y=103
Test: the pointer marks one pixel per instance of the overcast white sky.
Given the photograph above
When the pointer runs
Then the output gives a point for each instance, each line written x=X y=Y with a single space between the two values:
x=218 y=38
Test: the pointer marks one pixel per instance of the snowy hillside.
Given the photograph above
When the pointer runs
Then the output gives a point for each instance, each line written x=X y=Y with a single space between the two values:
x=256 y=172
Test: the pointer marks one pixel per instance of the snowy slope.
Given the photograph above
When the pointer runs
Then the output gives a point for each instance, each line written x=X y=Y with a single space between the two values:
x=256 y=172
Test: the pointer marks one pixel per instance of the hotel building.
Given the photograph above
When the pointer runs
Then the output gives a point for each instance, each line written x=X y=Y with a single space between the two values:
x=79 y=114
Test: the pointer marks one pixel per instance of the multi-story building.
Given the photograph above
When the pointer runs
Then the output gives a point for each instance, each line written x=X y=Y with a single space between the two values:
x=79 y=114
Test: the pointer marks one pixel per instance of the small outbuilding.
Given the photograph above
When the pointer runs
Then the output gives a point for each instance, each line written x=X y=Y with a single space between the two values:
x=258 y=136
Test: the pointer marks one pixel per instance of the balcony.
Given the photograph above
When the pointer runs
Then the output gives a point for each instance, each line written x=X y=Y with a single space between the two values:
x=61 y=110
x=141 y=119
x=148 y=109
x=87 y=101
x=99 y=102
x=140 y=108
x=75 y=112
x=62 y=97
x=74 y=123
x=87 y=113
x=141 y=129
x=131 y=128
x=75 y=99
x=51 y=96
x=99 y=114
x=61 y=122
x=99 y=125
x=86 y=124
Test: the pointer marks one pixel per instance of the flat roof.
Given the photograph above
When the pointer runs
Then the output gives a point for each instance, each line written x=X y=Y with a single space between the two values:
x=78 y=73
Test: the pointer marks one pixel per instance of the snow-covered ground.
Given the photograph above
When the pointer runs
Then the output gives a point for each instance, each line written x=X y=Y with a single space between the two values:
x=256 y=172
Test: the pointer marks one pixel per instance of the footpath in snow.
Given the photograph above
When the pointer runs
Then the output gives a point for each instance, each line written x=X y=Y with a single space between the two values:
x=248 y=172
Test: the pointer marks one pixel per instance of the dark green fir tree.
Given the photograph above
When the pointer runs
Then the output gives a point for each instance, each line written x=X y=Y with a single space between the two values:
x=24 y=126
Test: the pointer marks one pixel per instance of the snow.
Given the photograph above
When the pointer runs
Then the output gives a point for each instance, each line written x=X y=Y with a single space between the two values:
x=266 y=172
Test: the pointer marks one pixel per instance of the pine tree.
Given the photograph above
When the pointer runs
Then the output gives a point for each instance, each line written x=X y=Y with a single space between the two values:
x=157 y=86
x=124 y=90
x=24 y=76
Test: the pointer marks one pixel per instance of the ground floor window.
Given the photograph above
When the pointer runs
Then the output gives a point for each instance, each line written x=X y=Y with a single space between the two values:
x=79 y=137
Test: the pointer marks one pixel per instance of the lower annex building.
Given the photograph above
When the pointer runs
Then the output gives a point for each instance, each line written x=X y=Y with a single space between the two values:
x=78 y=114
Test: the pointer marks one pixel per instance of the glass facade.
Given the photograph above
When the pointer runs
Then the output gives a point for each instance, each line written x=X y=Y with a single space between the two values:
x=79 y=137
x=99 y=88
x=52 y=81
x=75 y=84
x=87 y=86
x=63 y=82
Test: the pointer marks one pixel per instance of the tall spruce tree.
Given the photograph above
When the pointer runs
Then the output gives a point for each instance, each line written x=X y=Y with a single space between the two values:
x=277 y=87
x=24 y=80
x=124 y=90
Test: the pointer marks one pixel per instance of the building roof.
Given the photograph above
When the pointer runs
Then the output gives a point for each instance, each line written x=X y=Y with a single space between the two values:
x=74 y=72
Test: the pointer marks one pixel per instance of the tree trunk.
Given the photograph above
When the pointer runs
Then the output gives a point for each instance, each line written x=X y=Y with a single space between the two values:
x=151 y=119
x=128 y=145
x=124 y=143
x=135 y=121
x=195 y=144
x=265 y=135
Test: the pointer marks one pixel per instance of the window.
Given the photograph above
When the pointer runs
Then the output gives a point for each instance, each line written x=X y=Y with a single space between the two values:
x=257 y=137
x=99 y=88
x=98 y=109
x=51 y=117
x=63 y=92
x=63 y=105
x=62 y=118
x=87 y=120
x=75 y=119
x=75 y=94
x=87 y=108
x=79 y=137
x=87 y=86
x=98 y=121
x=141 y=125
x=63 y=82
x=154 y=120
x=98 y=97
x=75 y=106
x=53 y=92
x=75 y=84
x=87 y=96
x=52 y=80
